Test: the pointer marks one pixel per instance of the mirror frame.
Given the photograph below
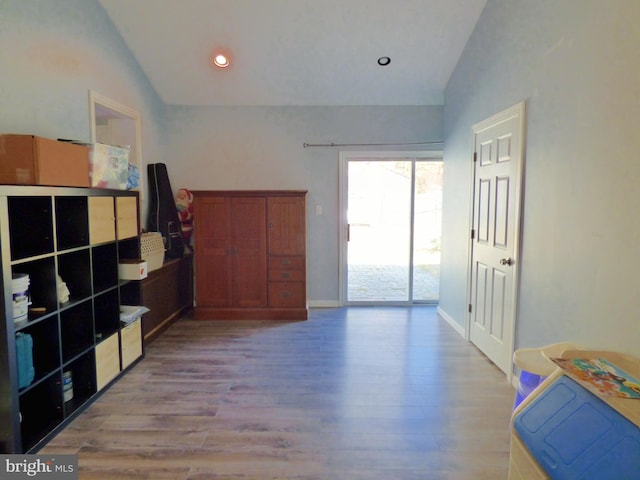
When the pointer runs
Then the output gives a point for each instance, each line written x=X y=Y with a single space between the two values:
x=100 y=103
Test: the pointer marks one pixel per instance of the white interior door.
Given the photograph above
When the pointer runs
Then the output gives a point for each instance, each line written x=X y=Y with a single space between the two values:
x=498 y=160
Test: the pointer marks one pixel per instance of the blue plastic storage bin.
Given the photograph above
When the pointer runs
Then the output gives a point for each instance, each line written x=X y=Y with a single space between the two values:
x=574 y=435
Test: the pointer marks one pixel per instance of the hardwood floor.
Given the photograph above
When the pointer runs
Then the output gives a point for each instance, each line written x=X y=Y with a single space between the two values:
x=351 y=394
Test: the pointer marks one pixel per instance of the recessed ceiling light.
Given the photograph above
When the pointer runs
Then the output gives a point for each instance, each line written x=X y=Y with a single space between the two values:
x=220 y=57
x=384 y=61
x=220 y=60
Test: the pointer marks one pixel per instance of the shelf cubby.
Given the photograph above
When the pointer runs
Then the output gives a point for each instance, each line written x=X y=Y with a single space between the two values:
x=129 y=249
x=30 y=226
x=83 y=375
x=130 y=293
x=106 y=313
x=104 y=260
x=42 y=285
x=75 y=270
x=72 y=222
x=76 y=327
x=40 y=411
x=46 y=347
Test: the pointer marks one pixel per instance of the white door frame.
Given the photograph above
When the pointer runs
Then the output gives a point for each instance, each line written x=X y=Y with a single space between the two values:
x=343 y=195
x=103 y=110
x=519 y=108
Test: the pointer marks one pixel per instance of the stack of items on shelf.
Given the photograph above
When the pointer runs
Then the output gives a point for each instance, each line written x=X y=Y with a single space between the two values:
x=131 y=313
x=34 y=160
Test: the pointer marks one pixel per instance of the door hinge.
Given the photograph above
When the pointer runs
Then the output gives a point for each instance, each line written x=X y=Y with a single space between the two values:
x=473 y=234
x=470 y=308
x=475 y=157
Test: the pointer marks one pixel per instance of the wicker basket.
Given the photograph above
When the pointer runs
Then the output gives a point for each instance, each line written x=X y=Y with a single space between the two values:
x=152 y=250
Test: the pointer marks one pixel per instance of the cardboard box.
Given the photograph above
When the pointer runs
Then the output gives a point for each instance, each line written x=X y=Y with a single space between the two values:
x=132 y=269
x=32 y=160
x=109 y=166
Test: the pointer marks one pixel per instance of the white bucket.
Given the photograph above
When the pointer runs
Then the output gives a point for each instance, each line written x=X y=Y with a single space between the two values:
x=20 y=286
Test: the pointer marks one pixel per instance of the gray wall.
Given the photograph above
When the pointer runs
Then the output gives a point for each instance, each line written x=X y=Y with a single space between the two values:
x=262 y=148
x=577 y=64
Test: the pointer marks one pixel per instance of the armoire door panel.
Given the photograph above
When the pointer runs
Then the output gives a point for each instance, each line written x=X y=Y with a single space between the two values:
x=213 y=264
x=214 y=218
x=249 y=251
x=214 y=273
x=286 y=225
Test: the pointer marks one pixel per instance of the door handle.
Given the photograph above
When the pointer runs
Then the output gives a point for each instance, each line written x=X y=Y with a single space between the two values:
x=506 y=261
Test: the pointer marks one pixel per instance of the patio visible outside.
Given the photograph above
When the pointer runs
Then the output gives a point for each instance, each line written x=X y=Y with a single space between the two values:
x=380 y=225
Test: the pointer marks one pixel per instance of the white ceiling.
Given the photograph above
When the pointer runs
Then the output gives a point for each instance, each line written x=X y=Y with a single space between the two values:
x=297 y=52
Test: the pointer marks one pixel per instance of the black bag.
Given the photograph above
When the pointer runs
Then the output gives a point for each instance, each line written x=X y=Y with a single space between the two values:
x=163 y=214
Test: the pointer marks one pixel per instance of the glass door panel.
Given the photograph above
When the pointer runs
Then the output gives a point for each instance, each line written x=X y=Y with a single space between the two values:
x=394 y=213
x=427 y=230
x=379 y=217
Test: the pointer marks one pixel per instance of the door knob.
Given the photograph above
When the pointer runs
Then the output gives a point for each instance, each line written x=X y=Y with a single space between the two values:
x=506 y=261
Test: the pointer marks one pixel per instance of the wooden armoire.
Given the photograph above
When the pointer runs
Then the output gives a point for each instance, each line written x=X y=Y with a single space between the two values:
x=250 y=255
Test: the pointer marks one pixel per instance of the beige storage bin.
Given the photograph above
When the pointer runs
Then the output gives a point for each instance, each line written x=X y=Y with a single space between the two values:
x=101 y=220
x=126 y=217
x=107 y=361
x=131 y=343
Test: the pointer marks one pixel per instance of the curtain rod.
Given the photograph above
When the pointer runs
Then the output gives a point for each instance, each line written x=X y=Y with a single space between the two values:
x=310 y=145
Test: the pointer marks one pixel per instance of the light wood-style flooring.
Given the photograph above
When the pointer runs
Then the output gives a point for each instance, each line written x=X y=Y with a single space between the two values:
x=360 y=393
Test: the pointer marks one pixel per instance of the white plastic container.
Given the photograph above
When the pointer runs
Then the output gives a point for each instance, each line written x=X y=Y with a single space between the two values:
x=20 y=289
x=67 y=385
x=132 y=269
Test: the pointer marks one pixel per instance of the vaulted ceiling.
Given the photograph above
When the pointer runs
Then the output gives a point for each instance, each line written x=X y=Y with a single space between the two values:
x=297 y=52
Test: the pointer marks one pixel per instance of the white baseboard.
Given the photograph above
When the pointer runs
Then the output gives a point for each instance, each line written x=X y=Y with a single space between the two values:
x=323 y=304
x=449 y=319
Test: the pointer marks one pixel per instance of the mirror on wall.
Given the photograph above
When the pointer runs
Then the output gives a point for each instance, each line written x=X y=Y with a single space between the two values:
x=115 y=124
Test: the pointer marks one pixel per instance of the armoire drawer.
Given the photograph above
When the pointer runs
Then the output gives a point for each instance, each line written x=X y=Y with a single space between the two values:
x=282 y=275
x=286 y=294
x=287 y=263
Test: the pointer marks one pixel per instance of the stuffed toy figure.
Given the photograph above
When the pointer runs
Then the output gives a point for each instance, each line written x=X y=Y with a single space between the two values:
x=184 y=204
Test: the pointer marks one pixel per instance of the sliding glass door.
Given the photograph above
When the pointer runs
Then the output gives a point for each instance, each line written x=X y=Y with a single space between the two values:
x=393 y=229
